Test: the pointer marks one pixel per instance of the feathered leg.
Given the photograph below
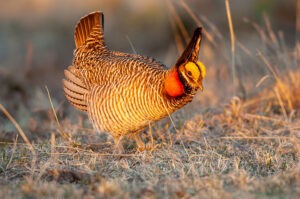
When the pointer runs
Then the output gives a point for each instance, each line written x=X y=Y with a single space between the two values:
x=118 y=145
x=139 y=142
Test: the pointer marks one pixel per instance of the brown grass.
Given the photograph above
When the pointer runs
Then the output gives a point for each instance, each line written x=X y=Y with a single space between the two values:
x=218 y=146
x=232 y=37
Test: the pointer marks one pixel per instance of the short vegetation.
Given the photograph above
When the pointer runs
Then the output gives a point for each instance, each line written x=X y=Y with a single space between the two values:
x=218 y=146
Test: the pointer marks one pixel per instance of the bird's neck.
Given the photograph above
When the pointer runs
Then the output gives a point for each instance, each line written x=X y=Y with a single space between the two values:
x=173 y=85
x=175 y=92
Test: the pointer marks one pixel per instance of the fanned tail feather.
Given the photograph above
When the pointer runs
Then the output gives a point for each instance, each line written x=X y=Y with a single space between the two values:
x=90 y=29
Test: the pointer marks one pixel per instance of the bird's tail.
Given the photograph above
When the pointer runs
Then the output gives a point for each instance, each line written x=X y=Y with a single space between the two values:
x=89 y=30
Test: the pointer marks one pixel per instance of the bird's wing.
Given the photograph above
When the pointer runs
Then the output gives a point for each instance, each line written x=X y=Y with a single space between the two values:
x=75 y=89
x=151 y=62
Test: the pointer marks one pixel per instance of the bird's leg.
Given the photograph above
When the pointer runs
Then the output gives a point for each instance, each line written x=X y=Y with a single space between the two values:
x=118 y=145
x=139 y=142
x=151 y=146
x=151 y=137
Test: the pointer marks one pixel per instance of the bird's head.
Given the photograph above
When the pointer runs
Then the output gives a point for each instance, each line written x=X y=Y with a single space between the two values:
x=188 y=72
x=192 y=74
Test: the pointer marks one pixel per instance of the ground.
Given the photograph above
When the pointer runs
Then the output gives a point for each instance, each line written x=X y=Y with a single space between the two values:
x=220 y=152
x=239 y=138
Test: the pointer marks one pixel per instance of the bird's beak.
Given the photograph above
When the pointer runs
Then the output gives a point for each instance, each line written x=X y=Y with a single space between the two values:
x=200 y=86
x=190 y=54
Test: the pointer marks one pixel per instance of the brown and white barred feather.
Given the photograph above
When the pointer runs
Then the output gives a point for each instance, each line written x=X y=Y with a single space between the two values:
x=90 y=29
x=74 y=89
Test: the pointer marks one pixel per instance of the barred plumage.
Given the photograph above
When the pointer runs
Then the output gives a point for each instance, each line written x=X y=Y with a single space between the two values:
x=121 y=92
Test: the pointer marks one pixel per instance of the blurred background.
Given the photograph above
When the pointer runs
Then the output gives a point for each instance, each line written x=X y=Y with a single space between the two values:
x=37 y=43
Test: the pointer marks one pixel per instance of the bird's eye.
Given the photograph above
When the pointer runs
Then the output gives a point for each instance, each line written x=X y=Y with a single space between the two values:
x=189 y=73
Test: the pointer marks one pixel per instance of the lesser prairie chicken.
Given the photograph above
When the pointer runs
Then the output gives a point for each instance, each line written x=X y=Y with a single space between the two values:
x=122 y=93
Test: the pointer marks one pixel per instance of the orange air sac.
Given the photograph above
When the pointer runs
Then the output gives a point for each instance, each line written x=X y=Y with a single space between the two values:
x=173 y=85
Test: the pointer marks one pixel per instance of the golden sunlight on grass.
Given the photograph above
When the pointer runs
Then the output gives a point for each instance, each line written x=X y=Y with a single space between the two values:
x=221 y=145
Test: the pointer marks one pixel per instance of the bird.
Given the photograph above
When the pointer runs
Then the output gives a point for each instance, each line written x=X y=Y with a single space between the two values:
x=124 y=93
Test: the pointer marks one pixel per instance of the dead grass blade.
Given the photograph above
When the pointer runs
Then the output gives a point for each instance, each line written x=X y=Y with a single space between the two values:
x=232 y=36
x=23 y=135
x=178 y=21
x=268 y=65
x=196 y=20
x=13 y=152
x=281 y=104
x=260 y=117
x=297 y=47
x=177 y=37
x=270 y=31
x=61 y=131
x=298 y=21
x=261 y=138
x=261 y=80
x=131 y=44
x=52 y=147
x=244 y=48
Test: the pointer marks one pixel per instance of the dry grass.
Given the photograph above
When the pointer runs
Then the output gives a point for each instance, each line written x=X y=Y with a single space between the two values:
x=226 y=147
x=226 y=152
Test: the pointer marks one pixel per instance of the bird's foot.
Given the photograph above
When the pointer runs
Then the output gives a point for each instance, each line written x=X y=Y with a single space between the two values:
x=118 y=146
